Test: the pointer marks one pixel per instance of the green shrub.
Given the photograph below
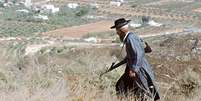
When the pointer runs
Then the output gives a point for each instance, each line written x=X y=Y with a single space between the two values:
x=82 y=11
x=69 y=17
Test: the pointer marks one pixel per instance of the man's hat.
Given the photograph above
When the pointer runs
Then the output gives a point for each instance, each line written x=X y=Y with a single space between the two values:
x=120 y=22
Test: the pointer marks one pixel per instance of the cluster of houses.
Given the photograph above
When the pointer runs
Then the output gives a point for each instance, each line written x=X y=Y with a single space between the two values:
x=41 y=7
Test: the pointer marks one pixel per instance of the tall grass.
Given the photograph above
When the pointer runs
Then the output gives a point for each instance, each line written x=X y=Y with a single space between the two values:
x=71 y=73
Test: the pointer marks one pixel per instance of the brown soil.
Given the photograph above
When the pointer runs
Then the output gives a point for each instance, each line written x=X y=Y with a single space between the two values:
x=197 y=10
x=80 y=31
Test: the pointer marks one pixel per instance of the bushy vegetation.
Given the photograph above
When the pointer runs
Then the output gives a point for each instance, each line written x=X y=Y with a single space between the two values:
x=15 y=23
x=68 y=16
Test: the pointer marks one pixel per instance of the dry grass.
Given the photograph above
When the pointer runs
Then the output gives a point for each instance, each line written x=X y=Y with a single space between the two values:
x=71 y=73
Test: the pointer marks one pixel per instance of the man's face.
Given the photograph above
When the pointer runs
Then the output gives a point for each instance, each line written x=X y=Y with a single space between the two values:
x=120 y=34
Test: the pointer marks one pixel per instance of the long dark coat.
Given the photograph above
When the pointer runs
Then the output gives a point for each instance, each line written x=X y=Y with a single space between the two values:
x=136 y=61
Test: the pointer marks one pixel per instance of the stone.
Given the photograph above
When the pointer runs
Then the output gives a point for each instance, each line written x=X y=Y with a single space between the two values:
x=23 y=10
x=49 y=8
x=43 y=17
x=72 y=5
x=153 y=23
x=115 y=3
x=28 y=3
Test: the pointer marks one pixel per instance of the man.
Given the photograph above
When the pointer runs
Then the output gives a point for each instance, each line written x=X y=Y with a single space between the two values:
x=138 y=77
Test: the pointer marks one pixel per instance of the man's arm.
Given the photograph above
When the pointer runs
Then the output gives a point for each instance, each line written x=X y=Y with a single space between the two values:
x=121 y=62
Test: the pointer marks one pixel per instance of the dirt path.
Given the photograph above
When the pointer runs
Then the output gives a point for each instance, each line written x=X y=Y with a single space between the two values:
x=197 y=10
x=80 y=31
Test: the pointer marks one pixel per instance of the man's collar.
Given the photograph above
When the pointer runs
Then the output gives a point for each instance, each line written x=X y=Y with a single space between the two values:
x=125 y=36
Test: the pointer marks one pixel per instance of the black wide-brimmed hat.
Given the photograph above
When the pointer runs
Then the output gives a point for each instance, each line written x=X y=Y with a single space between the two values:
x=120 y=22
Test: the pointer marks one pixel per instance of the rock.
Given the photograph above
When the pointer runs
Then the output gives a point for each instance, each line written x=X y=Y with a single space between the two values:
x=94 y=5
x=193 y=30
x=49 y=9
x=56 y=9
x=27 y=3
x=72 y=5
x=36 y=9
x=43 y=17
x=153 y=23
x=23 y=10
x=5 y=5
x=135 y=25
x=91 y=39
x=115 y=3
x=32 y=49
x=122 y=1
x=91 y=17
x=8 y=4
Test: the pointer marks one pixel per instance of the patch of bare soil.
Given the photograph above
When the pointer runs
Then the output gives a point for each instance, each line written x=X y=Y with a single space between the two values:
x=79 y=31
x=197 y=10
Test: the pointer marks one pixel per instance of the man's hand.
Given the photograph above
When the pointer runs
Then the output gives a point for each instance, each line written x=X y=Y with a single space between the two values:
x=132 y=73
